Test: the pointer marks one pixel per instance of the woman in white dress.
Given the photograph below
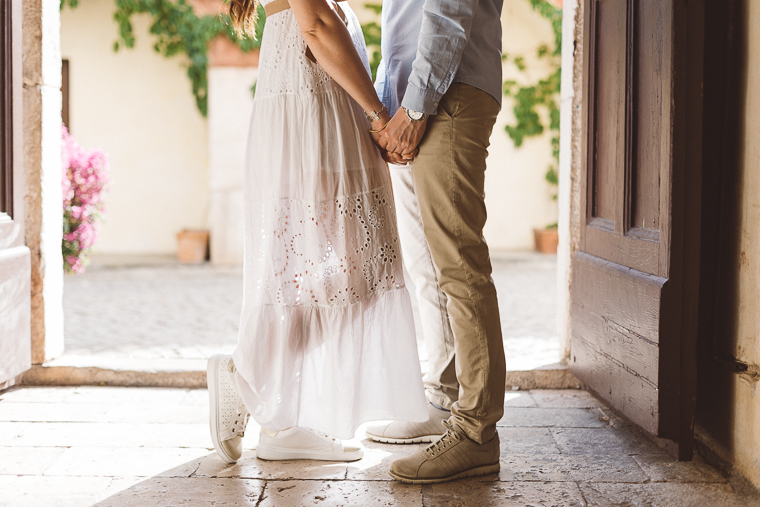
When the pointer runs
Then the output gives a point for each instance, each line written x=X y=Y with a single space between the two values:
x=326 y=334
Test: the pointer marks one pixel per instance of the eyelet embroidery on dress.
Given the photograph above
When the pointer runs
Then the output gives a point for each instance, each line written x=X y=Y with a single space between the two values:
x=307 y=268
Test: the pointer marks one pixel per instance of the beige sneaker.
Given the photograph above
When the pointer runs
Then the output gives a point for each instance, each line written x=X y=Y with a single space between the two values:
x=454 y=456
x=304 y=443
x=228 y=416
x=402 y=432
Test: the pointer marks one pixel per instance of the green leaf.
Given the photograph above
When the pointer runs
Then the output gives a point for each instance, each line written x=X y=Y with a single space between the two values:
x=376 y=8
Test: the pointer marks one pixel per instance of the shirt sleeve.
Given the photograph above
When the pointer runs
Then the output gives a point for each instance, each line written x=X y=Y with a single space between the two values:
x=446 y=26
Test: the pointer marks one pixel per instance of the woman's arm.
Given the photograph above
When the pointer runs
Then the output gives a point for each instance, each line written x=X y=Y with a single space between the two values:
x=329 y=40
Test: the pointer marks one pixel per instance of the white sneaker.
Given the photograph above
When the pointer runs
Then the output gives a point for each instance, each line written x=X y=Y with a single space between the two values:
x=402 y=432
x=227 y=413
x=304 y=443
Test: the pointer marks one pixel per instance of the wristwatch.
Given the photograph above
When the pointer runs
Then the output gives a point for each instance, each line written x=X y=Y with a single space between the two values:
x=414 y=115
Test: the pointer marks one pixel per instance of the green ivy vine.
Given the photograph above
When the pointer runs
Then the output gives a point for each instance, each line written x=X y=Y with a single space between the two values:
x=180 y=31
x=542 y=94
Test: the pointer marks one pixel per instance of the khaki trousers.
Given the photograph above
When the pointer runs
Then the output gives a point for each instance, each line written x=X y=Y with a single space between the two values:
x=449 y=179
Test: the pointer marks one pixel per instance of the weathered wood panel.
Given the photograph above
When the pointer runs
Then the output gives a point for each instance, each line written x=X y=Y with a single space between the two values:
x=632 y=351
x=622 y=295
x=646 y=101
x=609 y=93
x=615 y=326
x=626 y=392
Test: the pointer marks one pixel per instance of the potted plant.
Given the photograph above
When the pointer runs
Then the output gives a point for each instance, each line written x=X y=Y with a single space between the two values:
x=192 y=246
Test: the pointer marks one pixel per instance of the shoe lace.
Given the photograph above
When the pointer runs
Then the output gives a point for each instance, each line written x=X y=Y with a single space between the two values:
x=320 y=434
x=241 y=413
x=449 y=438
x=241 y=420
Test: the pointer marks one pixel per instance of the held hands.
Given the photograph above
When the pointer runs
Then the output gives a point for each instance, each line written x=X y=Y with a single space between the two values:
x=398 y=138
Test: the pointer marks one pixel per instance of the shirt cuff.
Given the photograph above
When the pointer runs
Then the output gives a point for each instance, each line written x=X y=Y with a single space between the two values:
x=423 y=101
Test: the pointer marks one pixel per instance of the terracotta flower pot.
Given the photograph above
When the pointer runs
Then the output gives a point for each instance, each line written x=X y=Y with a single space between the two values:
x=546 y=240
x=192 y=246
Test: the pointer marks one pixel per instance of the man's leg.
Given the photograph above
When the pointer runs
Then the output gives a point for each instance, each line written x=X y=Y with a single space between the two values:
x=441 y=385
x=449 y=179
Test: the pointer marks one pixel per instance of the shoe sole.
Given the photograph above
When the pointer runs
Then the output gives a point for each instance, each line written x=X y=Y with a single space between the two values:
x=424 y=439
x=283 y=454
x=212 y=373
x=473 y=472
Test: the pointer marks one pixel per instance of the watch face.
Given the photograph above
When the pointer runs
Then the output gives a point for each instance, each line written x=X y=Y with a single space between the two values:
x=416 y=115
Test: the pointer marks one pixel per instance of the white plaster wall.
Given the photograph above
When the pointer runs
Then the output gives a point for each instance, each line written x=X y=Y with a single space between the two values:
x=138 y=107
x=230 y=103
x=518 y=198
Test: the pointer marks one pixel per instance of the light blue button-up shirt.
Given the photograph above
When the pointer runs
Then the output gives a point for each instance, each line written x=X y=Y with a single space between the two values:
x=428 y=44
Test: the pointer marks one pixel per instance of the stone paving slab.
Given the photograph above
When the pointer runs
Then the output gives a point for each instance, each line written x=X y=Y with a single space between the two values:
x=565 y=398
x=551 y=417
x=563 y=468
x=55 y=434
x=664 y=495
x=519 y=399
x=661 y=468
x=161 y=491
x=28 y=461
x=163 y=457
x=341 y=493
x=40 y=491
x=503 y=494
x=129 y=461
x=518 y=440
x=604 y=441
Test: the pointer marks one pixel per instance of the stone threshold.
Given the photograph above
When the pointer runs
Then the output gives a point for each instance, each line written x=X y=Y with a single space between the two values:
x=555 y=376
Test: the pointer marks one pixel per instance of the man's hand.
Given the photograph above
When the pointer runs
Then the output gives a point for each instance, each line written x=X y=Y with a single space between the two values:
x=400 y=138
x=395 y=158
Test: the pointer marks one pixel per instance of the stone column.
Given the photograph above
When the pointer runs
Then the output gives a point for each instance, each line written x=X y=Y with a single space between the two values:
x=569 y=165
x=231 y=76
x=42 y=160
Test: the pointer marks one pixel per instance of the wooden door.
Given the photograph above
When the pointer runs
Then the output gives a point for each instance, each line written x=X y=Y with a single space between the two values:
x=636 y=275
x=15 y=270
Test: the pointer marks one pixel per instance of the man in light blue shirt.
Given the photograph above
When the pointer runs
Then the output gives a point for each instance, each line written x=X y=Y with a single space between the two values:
x=441 y=76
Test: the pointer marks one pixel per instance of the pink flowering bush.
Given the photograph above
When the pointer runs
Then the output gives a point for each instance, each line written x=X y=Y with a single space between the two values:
x=85 y=176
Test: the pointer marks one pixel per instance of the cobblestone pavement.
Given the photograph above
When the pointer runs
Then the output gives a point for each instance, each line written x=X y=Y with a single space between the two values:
x=139 y=447
x=170 y=311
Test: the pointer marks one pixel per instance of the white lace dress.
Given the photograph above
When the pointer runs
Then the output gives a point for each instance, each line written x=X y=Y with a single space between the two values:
x=326 y=335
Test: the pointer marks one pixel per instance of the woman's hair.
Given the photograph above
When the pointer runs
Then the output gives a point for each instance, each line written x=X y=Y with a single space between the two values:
x=243 y=14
